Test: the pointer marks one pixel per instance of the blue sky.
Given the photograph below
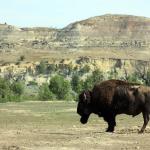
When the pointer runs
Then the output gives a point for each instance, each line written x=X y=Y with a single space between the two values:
x=59 y=13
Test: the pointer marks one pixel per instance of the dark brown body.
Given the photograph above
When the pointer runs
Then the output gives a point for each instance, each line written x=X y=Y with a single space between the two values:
x=114 y=97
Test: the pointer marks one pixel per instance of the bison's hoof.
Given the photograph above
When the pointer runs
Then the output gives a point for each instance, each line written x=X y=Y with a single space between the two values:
x=141 y=132
x=110 y=130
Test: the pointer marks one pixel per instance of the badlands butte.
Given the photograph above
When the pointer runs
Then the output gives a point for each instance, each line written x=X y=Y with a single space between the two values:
x=105 y=42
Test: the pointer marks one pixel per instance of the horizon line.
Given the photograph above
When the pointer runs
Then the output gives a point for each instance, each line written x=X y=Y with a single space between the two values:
x=52 y=27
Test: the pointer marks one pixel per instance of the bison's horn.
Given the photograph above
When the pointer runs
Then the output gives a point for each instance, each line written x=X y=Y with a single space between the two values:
x=84 y=96
x=135 y=87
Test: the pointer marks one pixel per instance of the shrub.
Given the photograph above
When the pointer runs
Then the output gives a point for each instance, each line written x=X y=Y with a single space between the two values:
x=10 y=91
x=45 y=93
x=148 y=78
x=42 y=68
x=97 y=76
x=77 y=84
x=133 y=78
x=51 y=68
x=88 y=83
x=4 y=90
x=113 y=74
x=84 y=70
x=32 y=83
x=60 y=87
x=17 y=88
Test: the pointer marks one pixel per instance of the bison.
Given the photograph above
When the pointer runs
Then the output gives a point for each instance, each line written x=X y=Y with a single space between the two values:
x=113 y=97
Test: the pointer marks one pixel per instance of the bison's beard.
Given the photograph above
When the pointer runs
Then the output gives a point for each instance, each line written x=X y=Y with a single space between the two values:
x=84 y=119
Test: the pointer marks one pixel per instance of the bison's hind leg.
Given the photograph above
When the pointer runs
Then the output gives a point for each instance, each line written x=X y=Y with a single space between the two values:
x=146 y=120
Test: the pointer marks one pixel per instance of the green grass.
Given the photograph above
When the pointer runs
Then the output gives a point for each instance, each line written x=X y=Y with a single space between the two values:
x=54 y=115
x=37 y=113
x=49 y=113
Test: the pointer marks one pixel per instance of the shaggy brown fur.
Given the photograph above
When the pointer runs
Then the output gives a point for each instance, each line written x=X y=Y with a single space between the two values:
x=106 y=89
x=113 y=97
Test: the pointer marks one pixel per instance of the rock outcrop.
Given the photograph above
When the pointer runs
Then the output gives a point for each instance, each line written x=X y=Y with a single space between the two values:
x=107 y=31
x=29 y=72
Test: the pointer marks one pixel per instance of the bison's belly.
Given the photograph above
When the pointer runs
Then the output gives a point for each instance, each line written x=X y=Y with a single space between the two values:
x=133 y=113
x=130 y=109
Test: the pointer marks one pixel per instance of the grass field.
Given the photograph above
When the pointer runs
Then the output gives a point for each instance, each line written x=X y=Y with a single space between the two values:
x=56 y=126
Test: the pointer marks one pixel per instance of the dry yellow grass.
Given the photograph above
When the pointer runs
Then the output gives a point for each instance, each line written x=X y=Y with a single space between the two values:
x=37 y=55
x=56 y=126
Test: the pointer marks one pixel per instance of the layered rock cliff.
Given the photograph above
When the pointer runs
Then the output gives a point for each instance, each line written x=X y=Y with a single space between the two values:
x=83 y=66
x=107 y=31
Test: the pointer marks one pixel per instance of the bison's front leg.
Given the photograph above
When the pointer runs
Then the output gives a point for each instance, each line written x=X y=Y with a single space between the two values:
x=110 y=119
x=146 y=119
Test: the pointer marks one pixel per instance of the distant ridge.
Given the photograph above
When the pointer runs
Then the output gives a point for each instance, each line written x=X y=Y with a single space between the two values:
x=118 y=32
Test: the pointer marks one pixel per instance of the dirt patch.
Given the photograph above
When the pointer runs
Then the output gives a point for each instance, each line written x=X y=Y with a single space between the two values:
x=13 y=147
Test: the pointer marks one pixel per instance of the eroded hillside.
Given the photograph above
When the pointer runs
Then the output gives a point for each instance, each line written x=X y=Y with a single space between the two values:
x=122 y=34
x=83 y=67
x=110 y=42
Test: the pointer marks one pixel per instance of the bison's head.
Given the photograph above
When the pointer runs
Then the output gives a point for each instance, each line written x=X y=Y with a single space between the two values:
x=84 y=106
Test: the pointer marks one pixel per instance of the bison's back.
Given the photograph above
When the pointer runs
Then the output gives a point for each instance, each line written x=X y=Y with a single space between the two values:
x=103 y=92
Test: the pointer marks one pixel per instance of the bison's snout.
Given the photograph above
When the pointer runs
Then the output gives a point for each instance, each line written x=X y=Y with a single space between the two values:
x=84 y=119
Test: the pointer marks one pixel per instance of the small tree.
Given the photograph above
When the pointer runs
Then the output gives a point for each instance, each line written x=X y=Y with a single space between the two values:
x=4 y=90
x=77 y=84
x=113 y=74
x=148 y=78
x=17 y=88
x=84 y=70
x=51 y=68
x=45 y=93
x=10 y=91
x=42 y=68
x=88 y=83
x=60 y=87
x=96 y=77
x=133 y=78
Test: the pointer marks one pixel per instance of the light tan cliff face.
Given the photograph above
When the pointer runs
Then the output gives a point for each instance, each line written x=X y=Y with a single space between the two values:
x=28 y=71
x=107 y=31
x=118 y=31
